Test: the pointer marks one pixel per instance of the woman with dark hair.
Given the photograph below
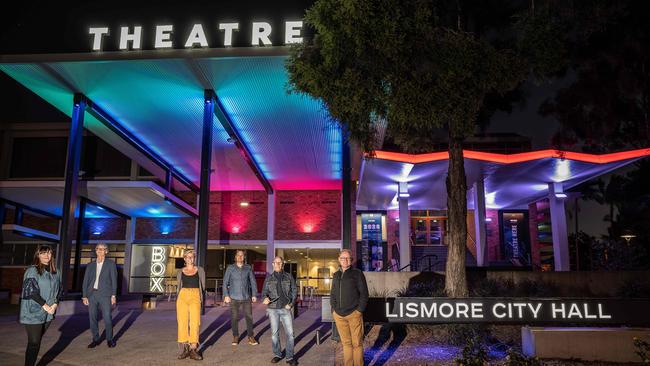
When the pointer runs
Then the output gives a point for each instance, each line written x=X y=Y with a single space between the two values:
x=191 y=283
x=39 y=299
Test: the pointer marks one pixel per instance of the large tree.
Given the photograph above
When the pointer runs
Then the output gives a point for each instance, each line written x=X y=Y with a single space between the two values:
x=411 y=64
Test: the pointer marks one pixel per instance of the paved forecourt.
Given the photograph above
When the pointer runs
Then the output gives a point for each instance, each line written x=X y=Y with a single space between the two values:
x=149 y=338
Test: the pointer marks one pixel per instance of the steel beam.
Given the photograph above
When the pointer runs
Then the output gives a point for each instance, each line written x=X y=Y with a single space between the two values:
x=206 y=170
x=230 y=128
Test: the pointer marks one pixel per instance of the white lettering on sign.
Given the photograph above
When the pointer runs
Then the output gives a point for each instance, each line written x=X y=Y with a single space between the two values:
x=261 y=33
x=158 y=269
x=162 y=35
x=98 y=33
x=197 y=36
x=228 y=28
x=501 y=310
x=135 y=38
x=292 y=32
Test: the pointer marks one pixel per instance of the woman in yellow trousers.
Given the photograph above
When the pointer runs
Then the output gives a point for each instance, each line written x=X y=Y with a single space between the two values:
x=191 y=282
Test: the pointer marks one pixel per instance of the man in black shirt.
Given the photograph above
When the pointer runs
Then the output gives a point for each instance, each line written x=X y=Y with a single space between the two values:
x=349 y=297
x=279 y=294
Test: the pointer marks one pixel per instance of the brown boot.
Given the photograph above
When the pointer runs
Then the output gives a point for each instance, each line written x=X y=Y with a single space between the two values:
x=195 y=355
x=185 y=353
x=252 y=341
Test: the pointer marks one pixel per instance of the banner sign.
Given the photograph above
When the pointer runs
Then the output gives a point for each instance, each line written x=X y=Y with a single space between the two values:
x=509 y=310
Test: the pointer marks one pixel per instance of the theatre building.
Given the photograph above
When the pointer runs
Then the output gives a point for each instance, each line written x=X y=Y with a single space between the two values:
x=203 y=148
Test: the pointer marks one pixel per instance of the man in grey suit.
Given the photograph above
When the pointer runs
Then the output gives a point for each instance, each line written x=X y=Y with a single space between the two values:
x=99 y=290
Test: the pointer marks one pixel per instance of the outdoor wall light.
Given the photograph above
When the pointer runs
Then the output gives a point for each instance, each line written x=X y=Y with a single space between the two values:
x=243 y=204
x=627 y=235
x=560 y=195
x=488 y=219
x=97 y=232
x=403 y=190
x=165 y=232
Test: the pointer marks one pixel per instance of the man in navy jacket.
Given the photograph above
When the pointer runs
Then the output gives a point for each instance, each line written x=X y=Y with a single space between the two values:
x=240 y=289
x=99 y=290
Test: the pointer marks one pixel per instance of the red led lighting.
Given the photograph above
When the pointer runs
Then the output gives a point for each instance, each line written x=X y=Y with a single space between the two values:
x=514 y=158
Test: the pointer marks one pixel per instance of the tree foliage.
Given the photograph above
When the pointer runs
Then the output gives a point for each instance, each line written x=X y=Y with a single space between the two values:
x=396 y=60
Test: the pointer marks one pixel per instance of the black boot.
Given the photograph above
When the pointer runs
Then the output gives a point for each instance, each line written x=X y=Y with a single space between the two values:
x=185 y=353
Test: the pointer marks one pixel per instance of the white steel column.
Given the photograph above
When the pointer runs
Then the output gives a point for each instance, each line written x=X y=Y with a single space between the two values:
x=478 y=193
x=556 y=198
x=404 y=225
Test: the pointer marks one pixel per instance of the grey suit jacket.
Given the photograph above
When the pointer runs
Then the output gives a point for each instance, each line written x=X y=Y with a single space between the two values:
x=107 y=279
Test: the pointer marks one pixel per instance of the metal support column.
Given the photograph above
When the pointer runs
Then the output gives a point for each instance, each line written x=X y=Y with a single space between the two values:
x=3 y=211
x=70 y=193
x=76 y=281
x=346 y=192
x=556 y=198
x=18 y=216
x=204 y=187
x=270 y=233
x=480 y=240
x=404 y=225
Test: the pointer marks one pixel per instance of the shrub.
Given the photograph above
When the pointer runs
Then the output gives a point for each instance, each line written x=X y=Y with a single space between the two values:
x=642 y=349
x=475 y=353
x=516 y=358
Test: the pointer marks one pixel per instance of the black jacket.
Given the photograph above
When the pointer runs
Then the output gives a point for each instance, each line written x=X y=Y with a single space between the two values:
x=349 y=292
x=270 y=289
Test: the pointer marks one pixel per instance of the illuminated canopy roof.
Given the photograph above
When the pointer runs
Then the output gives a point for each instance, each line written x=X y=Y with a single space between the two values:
x=158 y=97
x=511 y=181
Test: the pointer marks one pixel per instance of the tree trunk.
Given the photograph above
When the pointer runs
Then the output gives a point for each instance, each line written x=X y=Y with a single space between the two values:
x=455 y=277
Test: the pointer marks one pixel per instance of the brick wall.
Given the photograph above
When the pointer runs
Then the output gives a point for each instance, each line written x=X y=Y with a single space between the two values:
x=308 y=215
x=152 y=229
x=300 y=215
x=231 y=221
x=109 y=229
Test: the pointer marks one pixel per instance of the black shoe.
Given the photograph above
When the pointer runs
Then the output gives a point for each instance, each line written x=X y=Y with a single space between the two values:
x=292 y=362
x=276 y=359
x=93 y=344
x=111 y=344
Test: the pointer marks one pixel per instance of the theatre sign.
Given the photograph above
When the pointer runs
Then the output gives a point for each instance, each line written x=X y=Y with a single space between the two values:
x=513 y=310
x=164 y=37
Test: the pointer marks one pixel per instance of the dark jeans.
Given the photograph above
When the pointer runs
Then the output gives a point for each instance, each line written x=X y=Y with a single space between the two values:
x=34 y=335
x=103 y=303
x=234 y=316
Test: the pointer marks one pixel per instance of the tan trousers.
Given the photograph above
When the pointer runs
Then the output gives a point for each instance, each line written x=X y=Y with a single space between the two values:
x=188 y=315
x=351 y=331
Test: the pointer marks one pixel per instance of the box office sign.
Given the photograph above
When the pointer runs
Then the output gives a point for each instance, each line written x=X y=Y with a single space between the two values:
x=517 y=310
x=150 y=266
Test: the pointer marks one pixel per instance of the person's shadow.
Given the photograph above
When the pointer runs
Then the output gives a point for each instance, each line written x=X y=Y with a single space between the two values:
x=75 y=325
x=398 y=334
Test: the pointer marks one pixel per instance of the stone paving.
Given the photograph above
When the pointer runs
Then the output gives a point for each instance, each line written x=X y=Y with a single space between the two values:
x=149 y=338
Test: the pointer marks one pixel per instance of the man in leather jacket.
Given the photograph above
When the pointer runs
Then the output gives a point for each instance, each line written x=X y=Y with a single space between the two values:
x=279 y=294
